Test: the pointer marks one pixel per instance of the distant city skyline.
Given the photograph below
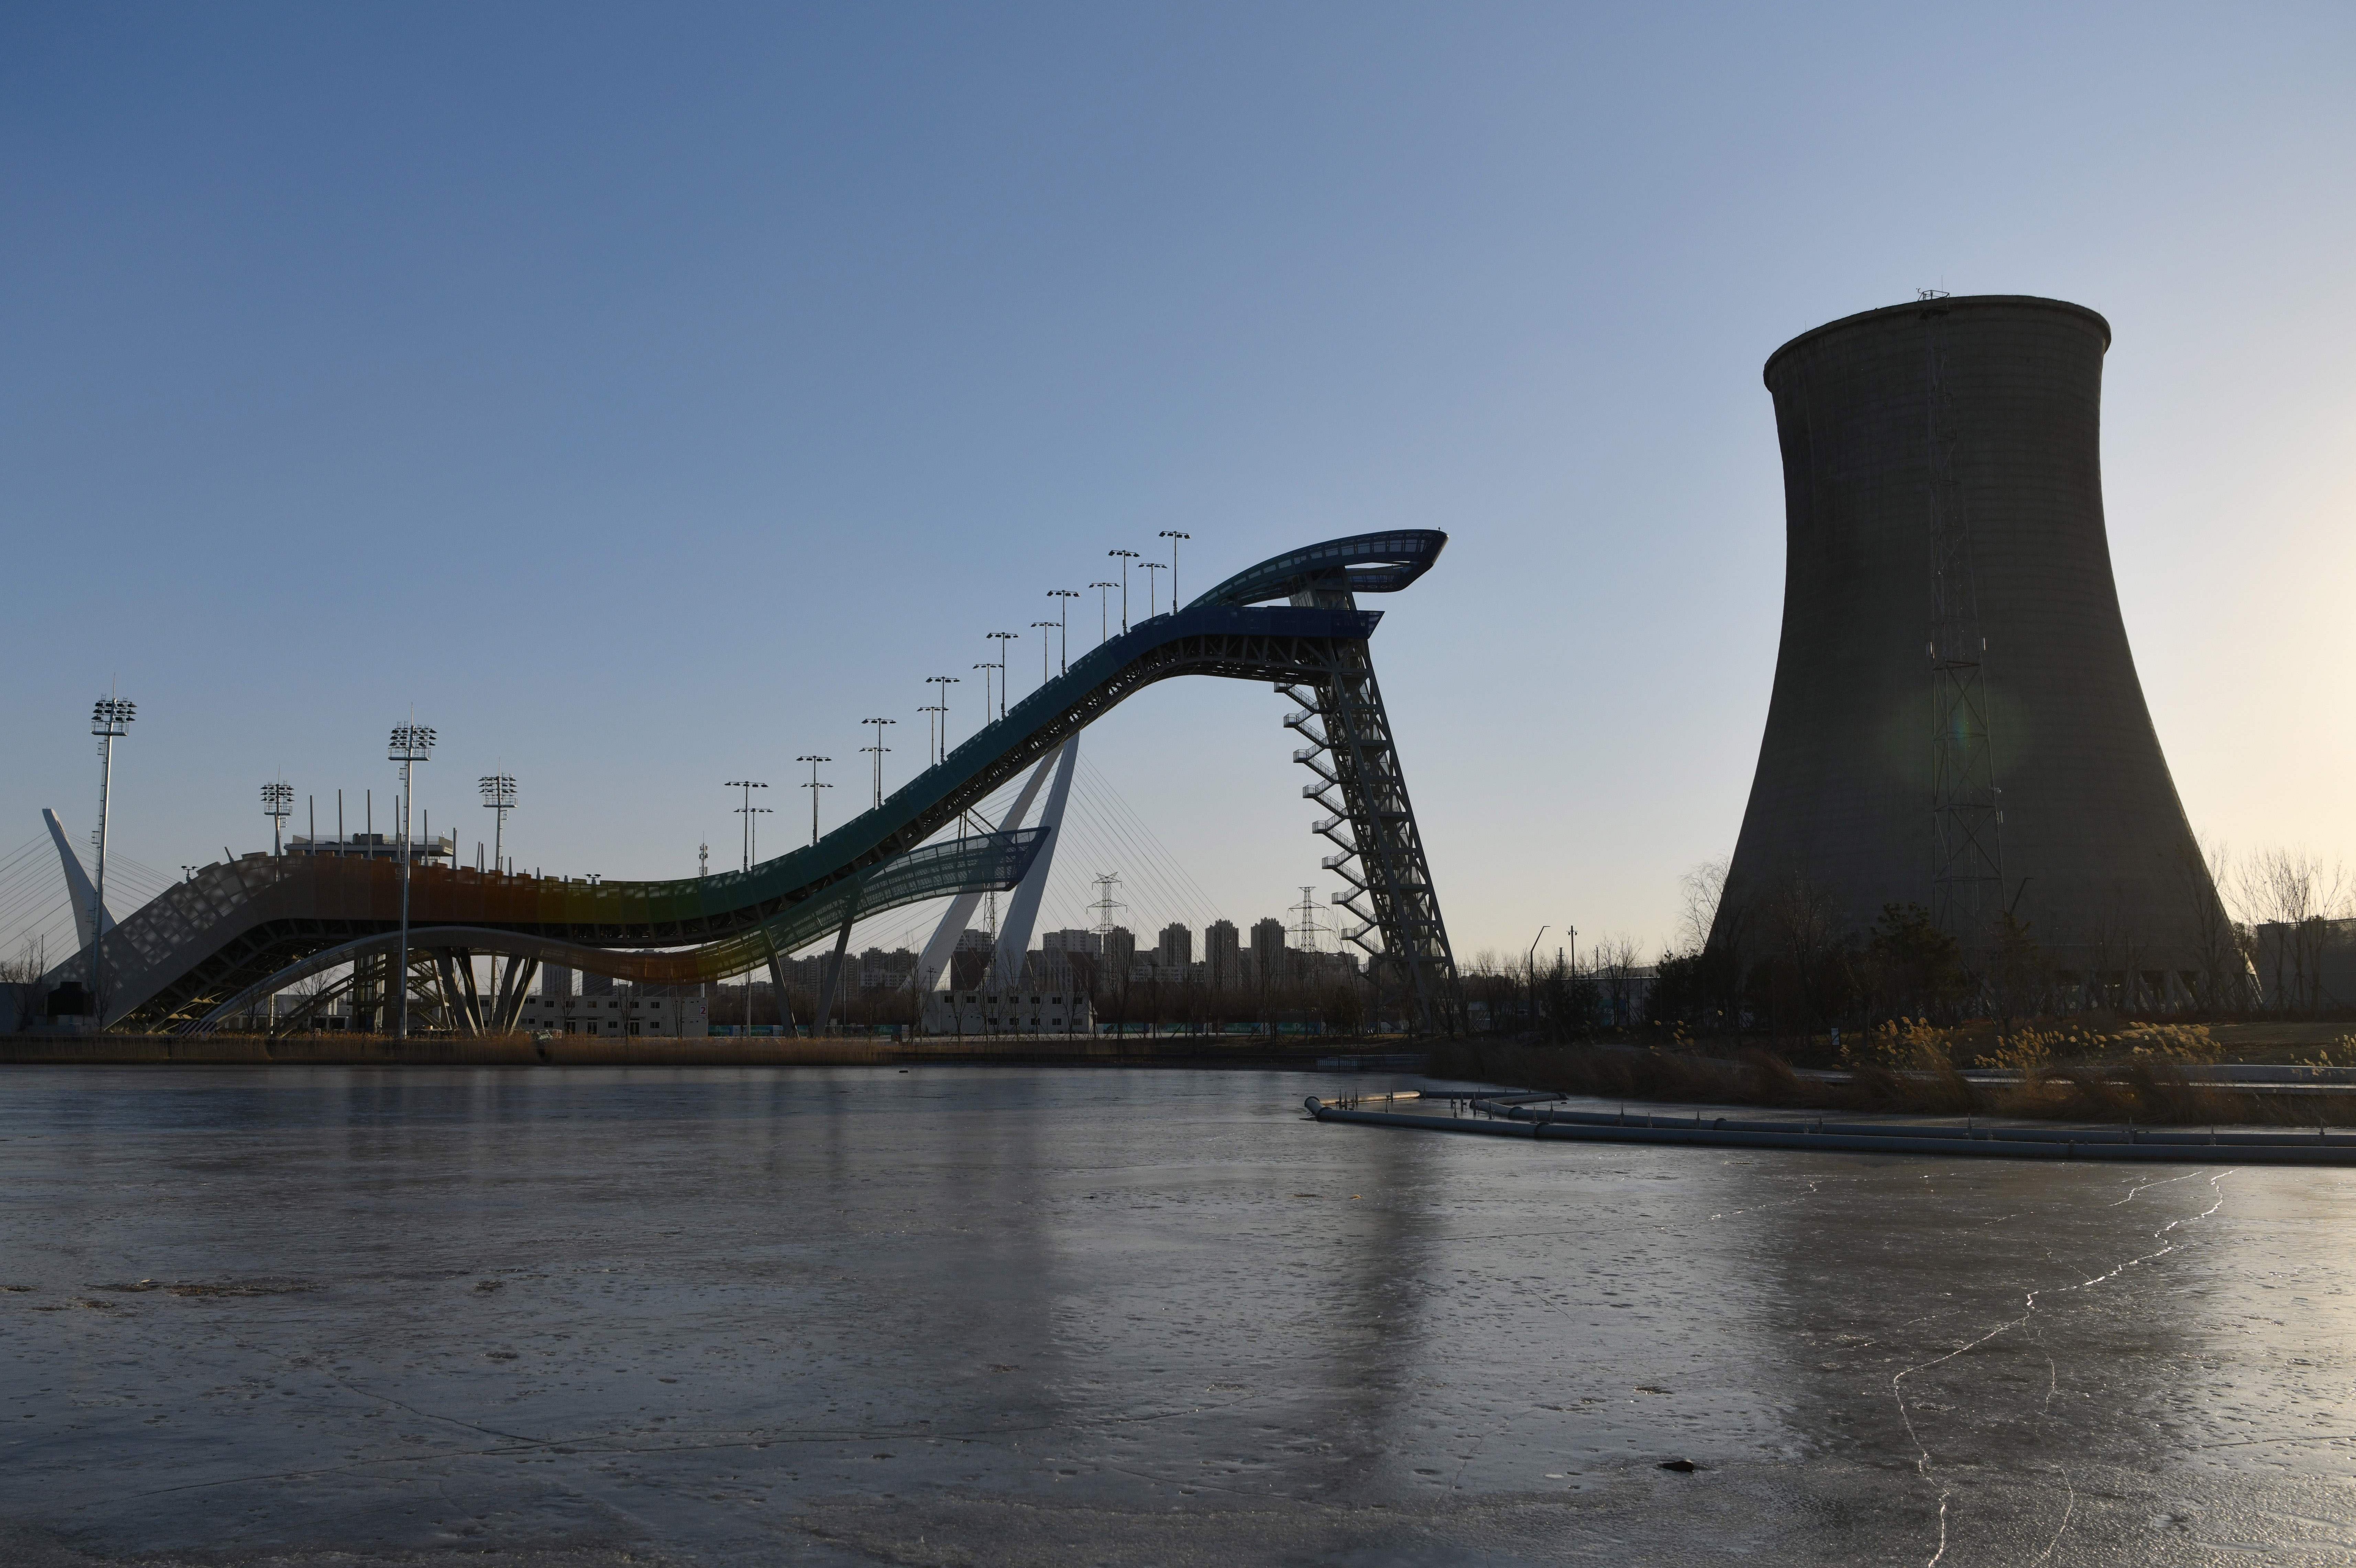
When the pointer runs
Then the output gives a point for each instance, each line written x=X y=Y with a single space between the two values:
x=645 y=406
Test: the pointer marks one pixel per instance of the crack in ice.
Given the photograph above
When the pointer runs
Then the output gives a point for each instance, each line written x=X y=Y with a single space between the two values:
x=2029 y=1308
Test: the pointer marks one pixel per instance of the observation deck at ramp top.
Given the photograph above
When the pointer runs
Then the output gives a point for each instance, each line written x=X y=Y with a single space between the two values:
x=245 y=927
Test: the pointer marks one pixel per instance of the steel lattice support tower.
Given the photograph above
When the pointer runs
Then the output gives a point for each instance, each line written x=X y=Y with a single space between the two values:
x=1382 y=860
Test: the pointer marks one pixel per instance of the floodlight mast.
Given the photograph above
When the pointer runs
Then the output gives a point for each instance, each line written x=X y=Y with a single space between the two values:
x=1002 y=639
x=1063 y=596
x=879 y=748
x=814 y=786
x=1043 y=628
x=109 y=721
x=1104 y=611
x=277 y=804
x=498 y=797
x=411 y=744
x=748 y=812
x=1154 y=589
x=1126 y=557
x=1174 y=536
x=944 y=682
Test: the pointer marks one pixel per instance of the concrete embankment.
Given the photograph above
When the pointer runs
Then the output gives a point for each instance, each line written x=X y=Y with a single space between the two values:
x=578 y=1051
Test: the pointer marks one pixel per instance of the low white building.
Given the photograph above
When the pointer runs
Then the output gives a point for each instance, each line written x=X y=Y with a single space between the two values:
x=617 y=1014
x=1046 y=1011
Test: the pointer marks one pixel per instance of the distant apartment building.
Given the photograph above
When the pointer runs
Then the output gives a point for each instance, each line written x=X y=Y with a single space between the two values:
x=1222 y=956
x=1119 y=951
x=1267 y=949
x=1177 y=950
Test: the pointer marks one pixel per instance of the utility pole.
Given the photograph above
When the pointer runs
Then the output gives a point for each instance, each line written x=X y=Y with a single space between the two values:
x=109 y=721
x=411 y=744
x=1174 y=536
x=814 y=786
x=1126 y=556
x=1063 y=626
x=879 y=748
x=498 y=798
x=746 y=811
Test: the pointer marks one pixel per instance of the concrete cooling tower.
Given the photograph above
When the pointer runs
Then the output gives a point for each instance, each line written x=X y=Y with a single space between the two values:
x=1956 y=722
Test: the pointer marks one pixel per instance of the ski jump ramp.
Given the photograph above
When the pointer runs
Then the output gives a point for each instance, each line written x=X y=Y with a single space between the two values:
x=245 y=929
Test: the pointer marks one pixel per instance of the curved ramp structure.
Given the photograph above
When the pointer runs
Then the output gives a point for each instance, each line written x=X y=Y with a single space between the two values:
x=245 y=928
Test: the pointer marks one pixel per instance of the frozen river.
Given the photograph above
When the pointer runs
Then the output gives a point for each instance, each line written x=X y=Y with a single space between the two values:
x=993 y=1316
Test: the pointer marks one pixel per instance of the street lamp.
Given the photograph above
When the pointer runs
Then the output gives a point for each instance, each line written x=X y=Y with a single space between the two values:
x=278 y=804
x=879 y=748
x=109 y=721
x=1002 y=639
x=1104 y=622
x=932 y=735
x=498 y=797
x=1153 y=590
x=1063 y=626
x=1174 y=536
x=1126 y=557
x=814 y=786
x=747 y=811
x=411 y=744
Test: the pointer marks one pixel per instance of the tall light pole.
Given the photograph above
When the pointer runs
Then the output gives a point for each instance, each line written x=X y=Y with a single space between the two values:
x=411 y=744
x=1064 y=597
x=932 y=736
x=1532 y=965
x=1043 y=628
x=1126 y=557
x=814 y=786
x=278 y=804
x=109 y=721
x=1002 y=639
x=1154 y=589
x=1104 y=613
x=989 y=672
x=498 y=798
x=1174 y=536
x=944 y=682
x=879 y=748
x=746 y=811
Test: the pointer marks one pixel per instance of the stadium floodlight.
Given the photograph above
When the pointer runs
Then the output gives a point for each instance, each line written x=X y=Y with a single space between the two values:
x=1174 y=536
x=109 y=721
x=814 y=786
x=1126 y=557
x=278 y=804
x=411 y=744
x=1043 y=628
x=1153 y=590
x=1104 y=613
x=499 y=797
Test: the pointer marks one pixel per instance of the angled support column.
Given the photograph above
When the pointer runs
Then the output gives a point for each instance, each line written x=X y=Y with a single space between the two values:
x=1022 y=913
x=833 y=981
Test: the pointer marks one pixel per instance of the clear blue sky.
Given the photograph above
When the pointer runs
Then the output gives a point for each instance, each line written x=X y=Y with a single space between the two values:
x=647 y=394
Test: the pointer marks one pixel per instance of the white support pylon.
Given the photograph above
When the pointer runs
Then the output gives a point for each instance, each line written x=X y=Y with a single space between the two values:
x=933 y=965
x=1015 y=936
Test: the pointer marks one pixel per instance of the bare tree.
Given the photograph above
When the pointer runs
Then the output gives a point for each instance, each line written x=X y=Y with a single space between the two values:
x=2298 y=897
x=2224 y=967
x=1702 y=888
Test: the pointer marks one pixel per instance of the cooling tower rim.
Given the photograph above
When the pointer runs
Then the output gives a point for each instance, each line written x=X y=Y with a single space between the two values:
x=1950 y=304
